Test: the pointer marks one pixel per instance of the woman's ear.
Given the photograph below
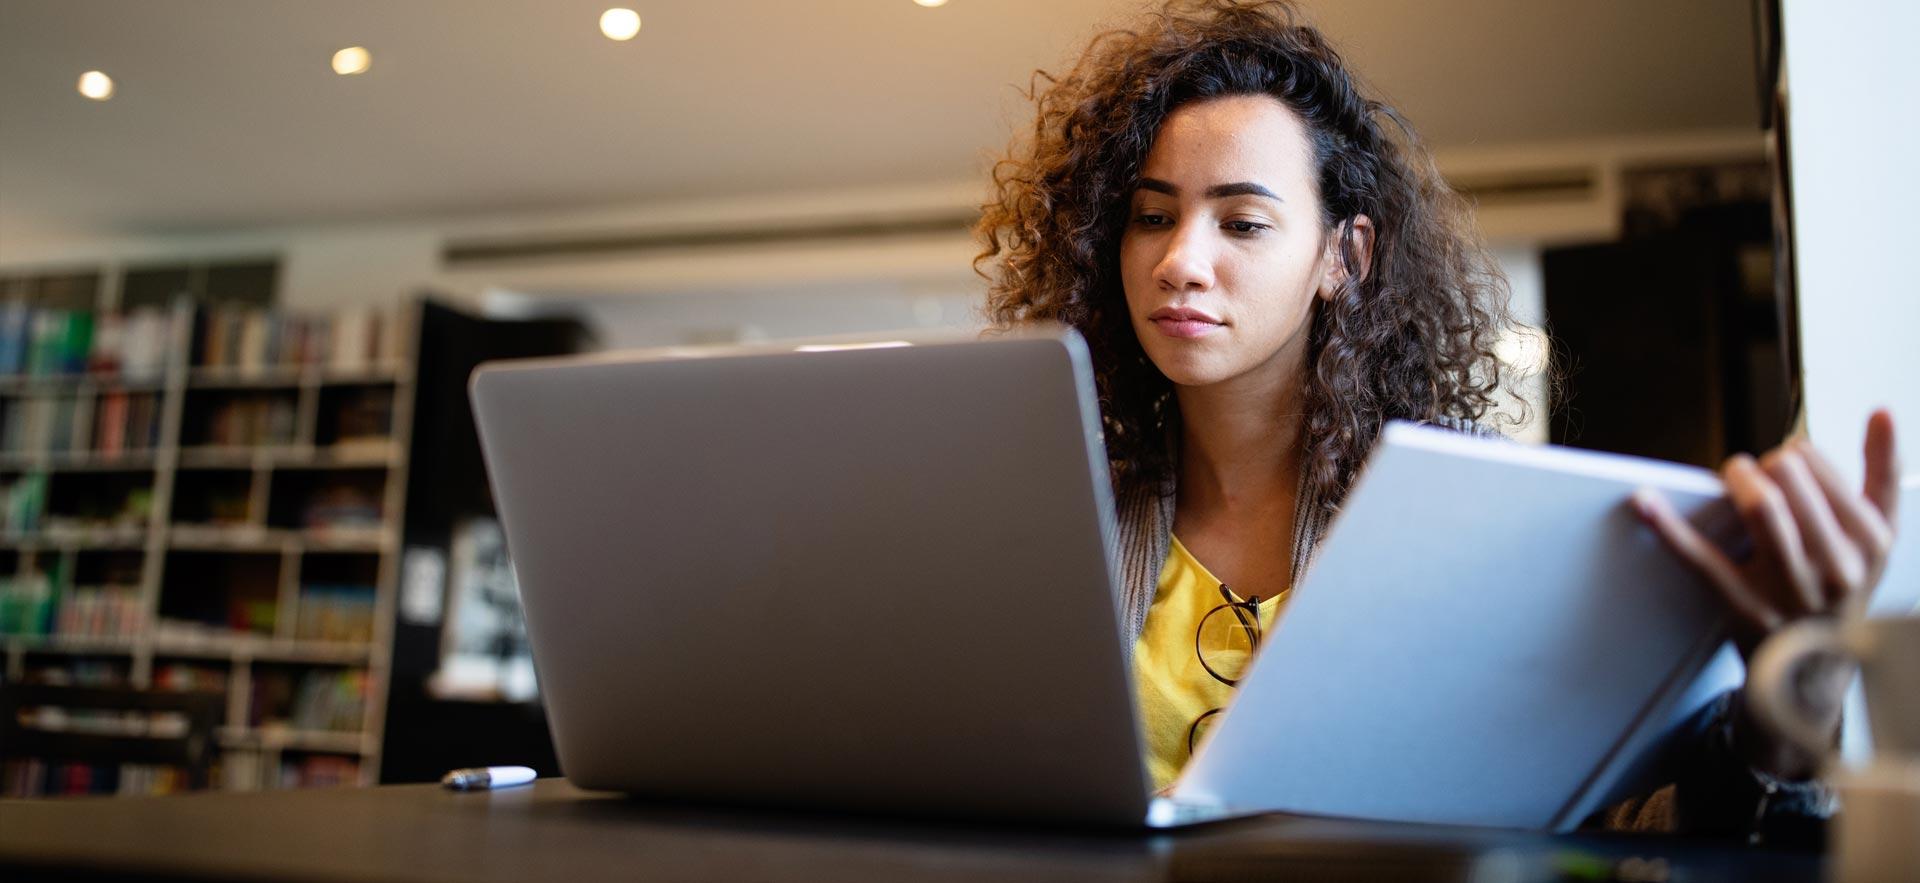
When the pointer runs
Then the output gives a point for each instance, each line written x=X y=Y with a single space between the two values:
x=1360 y=231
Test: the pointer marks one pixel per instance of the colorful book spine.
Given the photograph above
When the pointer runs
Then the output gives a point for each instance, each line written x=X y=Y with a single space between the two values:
x=26 y=500
x=16 y=322
x=43 y=347
x=110 y=424
x=76 y=343
x=144 y=345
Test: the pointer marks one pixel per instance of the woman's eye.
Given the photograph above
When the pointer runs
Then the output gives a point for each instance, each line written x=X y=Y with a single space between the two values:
x=1152 y=219
x=1244 y=226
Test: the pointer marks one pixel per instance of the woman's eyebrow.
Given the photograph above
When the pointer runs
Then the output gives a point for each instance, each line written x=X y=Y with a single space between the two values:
x=1217 y=191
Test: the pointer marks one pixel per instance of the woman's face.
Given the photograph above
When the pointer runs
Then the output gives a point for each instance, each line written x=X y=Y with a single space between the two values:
x=1224 y=250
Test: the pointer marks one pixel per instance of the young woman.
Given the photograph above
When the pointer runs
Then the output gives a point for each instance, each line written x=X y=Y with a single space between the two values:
x=1267 y=267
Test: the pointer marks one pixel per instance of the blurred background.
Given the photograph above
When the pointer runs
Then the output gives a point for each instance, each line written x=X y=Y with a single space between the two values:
x=250 y=251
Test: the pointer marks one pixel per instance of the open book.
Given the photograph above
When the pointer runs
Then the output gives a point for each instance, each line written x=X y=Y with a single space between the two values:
x=1489 y=636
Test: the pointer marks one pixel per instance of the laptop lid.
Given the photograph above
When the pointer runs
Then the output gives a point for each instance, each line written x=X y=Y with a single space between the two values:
x=869 y=578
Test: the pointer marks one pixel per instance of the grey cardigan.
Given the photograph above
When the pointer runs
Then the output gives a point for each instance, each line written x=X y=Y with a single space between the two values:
x=1712 y=791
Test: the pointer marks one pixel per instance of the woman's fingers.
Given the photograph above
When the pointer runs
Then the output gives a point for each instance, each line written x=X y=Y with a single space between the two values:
x=1883 y=465
x=1841 y=565
x=1751 y=613
x=1795 y=588
x=1861 y=518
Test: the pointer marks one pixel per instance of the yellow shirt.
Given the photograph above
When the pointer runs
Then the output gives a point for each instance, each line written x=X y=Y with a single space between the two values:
x=1174 y=688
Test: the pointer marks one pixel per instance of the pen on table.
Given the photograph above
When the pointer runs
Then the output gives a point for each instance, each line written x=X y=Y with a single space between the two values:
x=482 y=778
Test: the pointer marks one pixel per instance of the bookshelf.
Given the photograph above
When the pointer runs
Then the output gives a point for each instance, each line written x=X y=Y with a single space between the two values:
x=210 y=497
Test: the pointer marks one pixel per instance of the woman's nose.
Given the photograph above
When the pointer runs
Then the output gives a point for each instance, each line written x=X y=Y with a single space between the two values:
x=1187 y=263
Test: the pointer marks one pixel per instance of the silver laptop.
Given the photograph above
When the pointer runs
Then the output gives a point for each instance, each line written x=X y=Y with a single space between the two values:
x=871 y=577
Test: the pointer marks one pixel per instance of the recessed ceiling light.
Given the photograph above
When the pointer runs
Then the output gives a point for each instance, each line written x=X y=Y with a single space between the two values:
x=96 y=85
x=931 y=3
x=619 y=23
x=352 y=60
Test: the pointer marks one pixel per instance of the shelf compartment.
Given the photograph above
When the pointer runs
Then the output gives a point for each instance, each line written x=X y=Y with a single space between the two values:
x=41 y=423
x=230 y=418
x=343 y=502
x=213 y=498
x=355 y=414
x=124 y=422
x=309 y=698
x=268 y=377
x=101 y=599
x=115 y=502
x=221 y=590
x=336 y=600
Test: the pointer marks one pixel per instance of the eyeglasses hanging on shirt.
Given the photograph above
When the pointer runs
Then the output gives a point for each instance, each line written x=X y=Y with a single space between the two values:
x=1226 y=640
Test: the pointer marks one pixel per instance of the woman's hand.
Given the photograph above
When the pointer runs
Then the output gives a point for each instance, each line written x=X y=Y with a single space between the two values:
x=1818 y=550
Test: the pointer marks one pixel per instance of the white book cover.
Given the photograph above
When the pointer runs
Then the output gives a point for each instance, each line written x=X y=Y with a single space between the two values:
x=349 y=335
x=1487 y=637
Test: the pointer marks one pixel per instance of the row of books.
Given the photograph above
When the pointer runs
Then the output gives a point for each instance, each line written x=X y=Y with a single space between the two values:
x=187 y=677
x=335 y=613
x=251 y=420
x=44 y=342
x=76 y=672
x=32 y=777
x=312 y=700
x=331 y=700
x=125 y=422
x=30 y=607
x=133 y=346
x=100 y=612
x=342 y=506
x=254 y=339
x=38 y=424
x=122 y=422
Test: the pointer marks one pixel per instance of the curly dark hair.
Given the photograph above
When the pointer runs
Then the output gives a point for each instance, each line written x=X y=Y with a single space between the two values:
x=1411 y=337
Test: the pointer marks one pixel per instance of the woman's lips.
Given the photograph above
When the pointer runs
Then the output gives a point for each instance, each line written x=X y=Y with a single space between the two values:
x=1184 y=323
x=1186 y=328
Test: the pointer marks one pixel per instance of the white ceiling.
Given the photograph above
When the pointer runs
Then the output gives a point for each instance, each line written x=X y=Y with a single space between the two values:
x=227 y=114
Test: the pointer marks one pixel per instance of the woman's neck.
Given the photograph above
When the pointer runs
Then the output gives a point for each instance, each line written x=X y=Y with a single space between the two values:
x=1240 y=446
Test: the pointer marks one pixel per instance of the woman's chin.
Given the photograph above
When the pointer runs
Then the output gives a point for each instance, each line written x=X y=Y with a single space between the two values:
x=1186 y=370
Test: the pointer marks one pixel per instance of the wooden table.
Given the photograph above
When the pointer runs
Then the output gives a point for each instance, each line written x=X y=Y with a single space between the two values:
x=553 y=831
